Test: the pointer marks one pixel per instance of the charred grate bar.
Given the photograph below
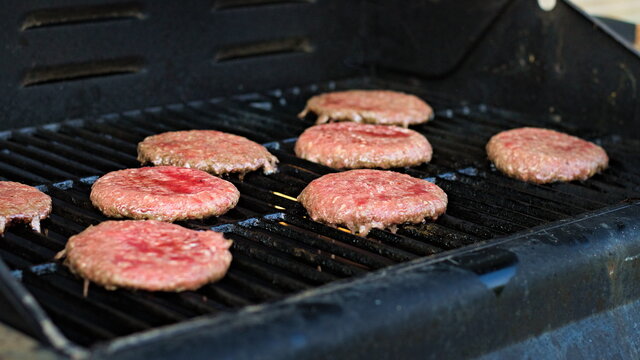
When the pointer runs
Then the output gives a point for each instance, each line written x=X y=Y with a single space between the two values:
x=277 y=250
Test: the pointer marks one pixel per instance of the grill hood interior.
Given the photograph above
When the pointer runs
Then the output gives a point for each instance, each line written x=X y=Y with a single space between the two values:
x=73 y=60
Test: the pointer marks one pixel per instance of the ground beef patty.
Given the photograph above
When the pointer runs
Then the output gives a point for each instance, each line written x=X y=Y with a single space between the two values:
x=543 y=156
x=350 y=145
x=148 y=255
x=22 y=203
x=209 y=150
x=369 y=106
x=166 y=193
x=366 y=199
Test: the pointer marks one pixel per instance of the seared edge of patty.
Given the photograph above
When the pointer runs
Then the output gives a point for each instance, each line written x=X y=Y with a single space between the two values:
x=255 y=156
x=115 y=200
x=268 y=164
x=332 y=201
x=342 y=151
x=89 y=255
x=20 y=203
x=416 y=111
x=537 y=162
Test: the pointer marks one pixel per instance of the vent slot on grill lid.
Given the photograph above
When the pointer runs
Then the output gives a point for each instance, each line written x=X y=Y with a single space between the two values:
x=263 y=48
x=233 y=4
x=58 y=73
x=81 y=14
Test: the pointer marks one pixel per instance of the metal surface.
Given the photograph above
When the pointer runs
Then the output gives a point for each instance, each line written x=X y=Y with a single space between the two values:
x=509 y=262
x=88 y=58
x=82 y=60
x=14 y=345
x=278 y=252
x=559 y=63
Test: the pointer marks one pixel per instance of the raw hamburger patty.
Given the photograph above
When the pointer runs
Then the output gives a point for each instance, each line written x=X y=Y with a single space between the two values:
x=148 y=255
x=366 y=199
x=209 y=150
x=543 y=156
x=166 y=193
x=369 y=106
x=350 y=145
x=22 y=203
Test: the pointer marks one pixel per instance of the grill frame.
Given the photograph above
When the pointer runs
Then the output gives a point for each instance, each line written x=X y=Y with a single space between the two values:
x=445 y=281
x=489 y=266
x=494 y=62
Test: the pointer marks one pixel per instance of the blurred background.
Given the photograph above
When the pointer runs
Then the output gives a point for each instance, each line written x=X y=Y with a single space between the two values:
x=623 y=16
x=627 y=10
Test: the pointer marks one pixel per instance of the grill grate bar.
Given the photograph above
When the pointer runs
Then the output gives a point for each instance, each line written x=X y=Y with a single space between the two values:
x=199 y=303
x=205 y=122
x=28 y=250
x=345 y=237
x=79 y=323
x=48 y=238
x=77 y=215
x=434 y=233
x=301 y=251
x=94 y=149
x=223 y=293
x=279 y=277
x=245 y=120
x=119 y=146
x=175 y=122
x=465 y=226
x=127 y=124
x=67 y=151
x=108 y=127
x=14 y=261
x=255 y=286
x=274 y=258
x=114 y=320
x=78 y=168
x=62 y=225
x=275 y=127
x=402 y=242
x=537 y=196
x=140 y=120
x=499 y=212
x=38 y=167
x=136 y=307
x=345 y=251
x=486 y=199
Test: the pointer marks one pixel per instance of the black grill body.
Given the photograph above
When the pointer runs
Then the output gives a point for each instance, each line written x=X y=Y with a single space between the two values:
x=512 y=269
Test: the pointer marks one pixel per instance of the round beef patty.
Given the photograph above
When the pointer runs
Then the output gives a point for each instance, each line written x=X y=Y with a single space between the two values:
x=166 y=193
x=366 y=199
x=350 y=145
x=209 y=150
x=148 y=255
x=543 y=156
x=22 y=203
x=369 y=106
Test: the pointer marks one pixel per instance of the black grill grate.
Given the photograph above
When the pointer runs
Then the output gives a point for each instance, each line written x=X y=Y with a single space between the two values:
x=277 y=250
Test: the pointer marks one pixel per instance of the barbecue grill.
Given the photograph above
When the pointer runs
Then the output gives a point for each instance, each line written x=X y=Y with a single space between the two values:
x=512 y=269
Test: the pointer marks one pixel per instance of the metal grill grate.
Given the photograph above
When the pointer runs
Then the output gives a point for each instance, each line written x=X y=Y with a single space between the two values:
x=277 y=250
